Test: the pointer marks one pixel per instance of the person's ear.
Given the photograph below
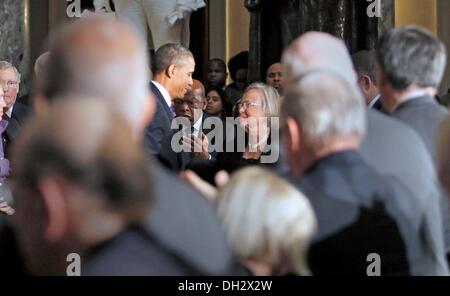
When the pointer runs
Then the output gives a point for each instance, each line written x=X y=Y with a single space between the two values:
x=293 y=134
x=55 y=202
x=170 y=71
x=366 y=82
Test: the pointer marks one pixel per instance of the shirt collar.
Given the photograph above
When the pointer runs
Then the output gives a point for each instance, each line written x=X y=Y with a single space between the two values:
x=164 y=93
x=198 y=124
x=9 y=112
x=374 y=101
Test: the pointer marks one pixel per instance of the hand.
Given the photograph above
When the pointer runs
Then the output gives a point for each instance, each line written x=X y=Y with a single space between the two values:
x=6 y=209
x=209 y=191
x=198 y=146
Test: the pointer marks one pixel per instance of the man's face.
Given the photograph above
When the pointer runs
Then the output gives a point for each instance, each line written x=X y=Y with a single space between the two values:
x=216 y=75
x=274 y=77
x=10 y=86
x=191 y=106
x=182 y=79
x=241 y=79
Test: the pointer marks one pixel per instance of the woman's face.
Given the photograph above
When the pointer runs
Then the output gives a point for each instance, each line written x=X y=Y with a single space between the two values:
x=213 y=103
x=251 y=109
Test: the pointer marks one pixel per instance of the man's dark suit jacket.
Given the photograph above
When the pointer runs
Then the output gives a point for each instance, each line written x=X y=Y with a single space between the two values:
x=132 y=253
x=18 y=117
x=425 y=116
x=357 y=216
x=174 y=161
x=159 y=128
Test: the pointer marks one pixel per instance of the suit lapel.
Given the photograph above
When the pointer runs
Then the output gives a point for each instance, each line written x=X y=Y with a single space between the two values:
x=161 y=100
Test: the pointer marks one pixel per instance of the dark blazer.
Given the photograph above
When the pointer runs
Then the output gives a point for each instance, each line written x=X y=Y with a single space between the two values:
x=396 y=151
x=186 y=224
x=18 y=117
x=133 y=253
x=356 y=216
x=174 y=161
x=425 y=116
x=159 y=128
x=182 y=236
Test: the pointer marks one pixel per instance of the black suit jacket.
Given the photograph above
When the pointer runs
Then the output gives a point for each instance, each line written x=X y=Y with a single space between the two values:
x=356 y=216
x=133 y=253
x=159 y=128
x=19 y=115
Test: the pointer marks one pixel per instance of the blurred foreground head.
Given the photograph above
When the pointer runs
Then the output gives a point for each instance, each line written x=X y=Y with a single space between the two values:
x=102 y=58
x=268 y=221
x=79 y=180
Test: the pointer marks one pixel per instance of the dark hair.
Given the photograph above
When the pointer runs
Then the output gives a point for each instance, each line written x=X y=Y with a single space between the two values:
x=365 y=64
x=169 y=54
x=223 y=97
x=220 y=62
x=411 y=55
x=239 y=61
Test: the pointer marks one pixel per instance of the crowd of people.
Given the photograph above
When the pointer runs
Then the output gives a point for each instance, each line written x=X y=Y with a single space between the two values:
x=142 y=170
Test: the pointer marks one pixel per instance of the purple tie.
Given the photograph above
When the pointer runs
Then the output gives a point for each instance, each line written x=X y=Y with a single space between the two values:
x=4 y=163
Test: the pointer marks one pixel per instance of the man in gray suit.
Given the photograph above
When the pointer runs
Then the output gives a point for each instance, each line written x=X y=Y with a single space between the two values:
x=104 y=58
x=412 y=63
x=392 y=148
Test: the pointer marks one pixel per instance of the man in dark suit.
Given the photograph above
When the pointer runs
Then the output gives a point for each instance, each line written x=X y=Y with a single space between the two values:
x=393 y=149
x=181 y=220
x=15 y=112
x=357 y=210
x=192 y=136
x=412 y=63
x=173 y=66
x=365 y=67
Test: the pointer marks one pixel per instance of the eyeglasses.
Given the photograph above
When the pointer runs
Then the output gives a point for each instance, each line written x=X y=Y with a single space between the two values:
x=190 y=103
x=8 y=84
x=246 y=105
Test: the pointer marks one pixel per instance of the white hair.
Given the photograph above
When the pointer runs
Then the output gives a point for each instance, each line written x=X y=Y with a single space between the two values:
x=270 y=97
x=4 y=65
x=261 y=212
x=316 y=50
x=326 y=106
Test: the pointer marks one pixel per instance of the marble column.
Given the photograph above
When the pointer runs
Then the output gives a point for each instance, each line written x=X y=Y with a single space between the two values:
x=15 y=38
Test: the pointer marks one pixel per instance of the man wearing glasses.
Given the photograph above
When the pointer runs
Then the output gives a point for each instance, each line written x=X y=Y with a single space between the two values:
x=15 y=113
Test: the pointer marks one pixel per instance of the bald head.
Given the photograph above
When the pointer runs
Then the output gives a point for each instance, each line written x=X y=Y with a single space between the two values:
x=103 y=58
x=317 y=50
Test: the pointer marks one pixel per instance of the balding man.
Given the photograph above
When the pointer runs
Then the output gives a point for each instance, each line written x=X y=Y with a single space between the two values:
x=195 y=139
x=104 y=58
x=274 y=77
x=354 y=206
x=393 y=149
x=101 y=223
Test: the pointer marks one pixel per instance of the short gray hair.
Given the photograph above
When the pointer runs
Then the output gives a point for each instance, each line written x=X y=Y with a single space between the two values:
x=271 y=98
x=169 y=54
x=411 y=55
x=326 y=106
x=262 y=212
x=4 y=65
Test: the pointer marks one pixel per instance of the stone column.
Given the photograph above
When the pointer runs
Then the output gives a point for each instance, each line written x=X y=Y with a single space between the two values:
x=15 y=38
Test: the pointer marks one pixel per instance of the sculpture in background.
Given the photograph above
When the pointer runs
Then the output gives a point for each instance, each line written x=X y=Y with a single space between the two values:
x=161 y=21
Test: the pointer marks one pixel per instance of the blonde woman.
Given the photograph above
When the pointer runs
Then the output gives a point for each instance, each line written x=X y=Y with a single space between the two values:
x=268 y=222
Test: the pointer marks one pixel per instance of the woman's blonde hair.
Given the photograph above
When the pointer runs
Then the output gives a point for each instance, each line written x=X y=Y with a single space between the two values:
x=263 y=213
